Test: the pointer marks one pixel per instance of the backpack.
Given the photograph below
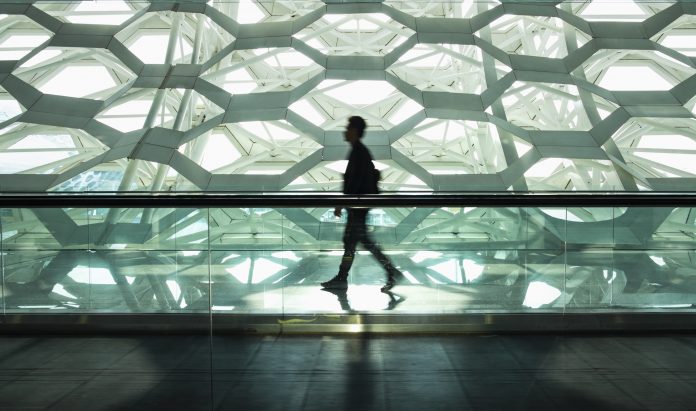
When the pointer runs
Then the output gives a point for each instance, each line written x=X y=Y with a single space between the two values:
x=374 y=184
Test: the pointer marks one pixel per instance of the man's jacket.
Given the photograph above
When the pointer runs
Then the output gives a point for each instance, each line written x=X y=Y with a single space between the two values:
x=360 y=172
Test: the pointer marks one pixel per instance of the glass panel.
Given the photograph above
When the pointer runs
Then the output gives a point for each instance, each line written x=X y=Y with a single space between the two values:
x=246 y=266
x=270 y=262
x=153 y=260
x=454 y=260
x=544 y=282
x=46 y=263
x=654 y=258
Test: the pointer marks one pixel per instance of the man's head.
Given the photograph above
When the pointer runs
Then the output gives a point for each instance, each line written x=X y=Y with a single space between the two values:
x=355 y=129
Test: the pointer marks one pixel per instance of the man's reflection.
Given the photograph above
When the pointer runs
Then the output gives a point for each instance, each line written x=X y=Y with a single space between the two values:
x=342 y=295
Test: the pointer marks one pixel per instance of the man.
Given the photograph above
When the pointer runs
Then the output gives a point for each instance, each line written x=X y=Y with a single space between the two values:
x=360 y=178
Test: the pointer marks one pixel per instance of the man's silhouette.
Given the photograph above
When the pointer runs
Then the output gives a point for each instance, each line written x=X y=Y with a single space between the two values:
x=360 y=178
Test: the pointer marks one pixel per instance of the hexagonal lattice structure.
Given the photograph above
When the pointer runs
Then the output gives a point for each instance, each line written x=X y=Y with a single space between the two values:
x=535 y=36
x=623 y=70
x=332 y=101
x=452 y=68
x=251 y=147
x=466 y=95
x=453 y=147
x=262 y=70
x=194 y=37
x=75 y=72
x=370 y=34
x=111 y=13
x=19 y=36
x=251 y=12
x=64 y=149
x=542 y=106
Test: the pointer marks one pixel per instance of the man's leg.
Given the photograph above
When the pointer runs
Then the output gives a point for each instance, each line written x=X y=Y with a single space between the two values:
x=393 y=274
x=350 y=240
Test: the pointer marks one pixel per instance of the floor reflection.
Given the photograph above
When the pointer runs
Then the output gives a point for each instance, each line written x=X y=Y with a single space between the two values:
x=343 y=301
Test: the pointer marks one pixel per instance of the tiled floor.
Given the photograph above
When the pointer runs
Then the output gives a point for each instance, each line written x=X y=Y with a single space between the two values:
x=357 y=372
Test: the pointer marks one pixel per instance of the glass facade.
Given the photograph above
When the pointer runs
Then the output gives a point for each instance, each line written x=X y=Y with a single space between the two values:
x=253 y=95
x=270 y=261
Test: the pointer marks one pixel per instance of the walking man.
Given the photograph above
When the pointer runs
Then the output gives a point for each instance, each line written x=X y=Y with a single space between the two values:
x=360 y=178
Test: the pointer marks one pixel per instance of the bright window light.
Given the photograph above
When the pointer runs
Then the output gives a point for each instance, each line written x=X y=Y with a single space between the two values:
x=199 y=227
x=152 y=48
x=9 y=108
x=223 y=307
x=94 y=275
x=289 y=255
x=615 y=10
x=229 y=257
x=545 y=167
x=131 y=115
x=289 y=59
x=359 y=22
x=661 y=141
x=407 y=109
x=16 y=162
x=44 y=141
x=357 y=93
x=630 y=78
x=683 y=43
x=658 y=260
x=40 y=57
x=684 y=162
x=79 y=81
x=443 y=131
x=272 y=300
x=23 y=40
x=449 y=269
x=421 y=256
x=16 y=46
x=239 y=82
x=539 y=293
x=240 y=271
x=420 y=56
x=338 y=166
x=60 y=290
x=218 y=152
x=265 y=268
x=268 y=170
x=97 y=12
x=413 y=183
x=248 y=12
x=308 y=112
x=268 y=131
x=522 y=147
x=472 y=270
x=174 y=288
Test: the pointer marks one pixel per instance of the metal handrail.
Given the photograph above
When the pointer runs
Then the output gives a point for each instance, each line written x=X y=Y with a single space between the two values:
x=314 y=199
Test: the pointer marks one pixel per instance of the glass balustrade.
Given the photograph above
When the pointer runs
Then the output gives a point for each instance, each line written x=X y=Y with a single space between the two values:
x=270 y=261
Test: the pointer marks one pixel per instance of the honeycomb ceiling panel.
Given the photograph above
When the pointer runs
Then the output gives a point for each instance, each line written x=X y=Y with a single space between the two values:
x=254 y=95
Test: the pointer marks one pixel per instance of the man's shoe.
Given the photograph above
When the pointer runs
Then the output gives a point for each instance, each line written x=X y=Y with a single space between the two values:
x=336 y=283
